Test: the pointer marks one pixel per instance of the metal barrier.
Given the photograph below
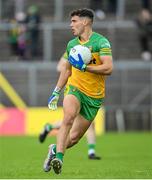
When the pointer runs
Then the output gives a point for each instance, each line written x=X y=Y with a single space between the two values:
x=128 y=96
x=52 y=44
x=130 y=86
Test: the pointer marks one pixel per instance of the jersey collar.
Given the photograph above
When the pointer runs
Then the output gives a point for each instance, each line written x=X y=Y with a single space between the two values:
x=84 y=42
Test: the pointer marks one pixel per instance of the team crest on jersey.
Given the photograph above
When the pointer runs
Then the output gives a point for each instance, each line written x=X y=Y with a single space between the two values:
x=74 y=89
x=73 y=50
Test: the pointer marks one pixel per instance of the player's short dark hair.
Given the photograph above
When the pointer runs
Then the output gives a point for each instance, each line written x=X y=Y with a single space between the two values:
x=85 y=12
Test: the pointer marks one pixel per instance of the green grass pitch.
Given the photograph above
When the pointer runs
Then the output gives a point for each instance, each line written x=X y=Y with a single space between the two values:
x=127 y=155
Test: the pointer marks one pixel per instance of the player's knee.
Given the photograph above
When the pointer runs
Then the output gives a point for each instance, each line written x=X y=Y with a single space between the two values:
x=74 y=138
x=68 y=120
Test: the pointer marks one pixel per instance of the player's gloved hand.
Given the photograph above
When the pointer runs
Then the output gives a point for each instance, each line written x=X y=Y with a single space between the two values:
x=79 y=64
x=53 y=99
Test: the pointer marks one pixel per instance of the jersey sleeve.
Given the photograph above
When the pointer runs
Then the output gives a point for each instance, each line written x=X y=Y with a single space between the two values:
x=66 y=53
x=104 y=47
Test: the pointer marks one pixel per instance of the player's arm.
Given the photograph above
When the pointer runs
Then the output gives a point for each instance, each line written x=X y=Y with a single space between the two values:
x=105 y=68
x=105 y=55
x=60 y=64
x=64 y=75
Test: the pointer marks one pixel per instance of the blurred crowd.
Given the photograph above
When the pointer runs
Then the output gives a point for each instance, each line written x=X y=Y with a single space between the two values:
x=97 y=6
x=144 y=23
x=24 y=34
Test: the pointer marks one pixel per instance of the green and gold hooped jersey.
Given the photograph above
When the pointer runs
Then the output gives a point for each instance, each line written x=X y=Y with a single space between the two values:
x=91 y=84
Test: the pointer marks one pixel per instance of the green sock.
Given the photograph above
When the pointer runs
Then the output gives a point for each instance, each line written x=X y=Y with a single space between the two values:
x=49 y=127
x=60 y=155
x=91 y=148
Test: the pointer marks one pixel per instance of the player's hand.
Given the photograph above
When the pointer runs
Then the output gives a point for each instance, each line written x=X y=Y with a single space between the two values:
x=53 y=100
x=79 y=64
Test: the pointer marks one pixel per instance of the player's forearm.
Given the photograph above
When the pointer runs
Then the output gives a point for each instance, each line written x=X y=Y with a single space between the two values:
x=100 y=69
x=63 y=78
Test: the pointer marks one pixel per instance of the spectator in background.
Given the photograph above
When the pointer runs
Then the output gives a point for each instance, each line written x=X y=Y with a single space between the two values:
x=22 y=42
x=17 y=36
x=12 y=39
x=22 y=36
x=145 y=4
x=97 y=6
x=112 y=6
x=144 y=23
x=33 y=21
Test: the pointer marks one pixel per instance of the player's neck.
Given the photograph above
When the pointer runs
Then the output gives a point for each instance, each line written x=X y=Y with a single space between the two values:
x=85 y=36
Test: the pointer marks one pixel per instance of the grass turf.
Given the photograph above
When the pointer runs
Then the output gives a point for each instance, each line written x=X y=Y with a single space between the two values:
x=127 y=155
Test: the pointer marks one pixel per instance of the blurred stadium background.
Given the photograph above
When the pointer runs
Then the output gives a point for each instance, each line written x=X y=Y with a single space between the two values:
x=27 y=81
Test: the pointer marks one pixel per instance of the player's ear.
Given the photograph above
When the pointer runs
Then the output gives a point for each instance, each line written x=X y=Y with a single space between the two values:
x=85 y=21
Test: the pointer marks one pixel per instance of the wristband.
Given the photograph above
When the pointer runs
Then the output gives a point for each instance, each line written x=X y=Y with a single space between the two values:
x=84 y=67
x=57 y=89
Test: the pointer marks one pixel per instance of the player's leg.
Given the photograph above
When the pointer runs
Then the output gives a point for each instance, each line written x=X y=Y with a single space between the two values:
x=78 y=129
x=52 y=148
x=51 y=155
x=70 y=113
x=91 y=140
x=47 y=129
x=71 y=107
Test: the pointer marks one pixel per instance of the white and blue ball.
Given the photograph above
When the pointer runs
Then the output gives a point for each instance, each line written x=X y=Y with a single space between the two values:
x=83 y=51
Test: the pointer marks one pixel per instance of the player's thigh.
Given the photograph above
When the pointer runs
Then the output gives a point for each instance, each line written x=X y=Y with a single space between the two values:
x=92 y=126
x=79 y=127
x=71 y=106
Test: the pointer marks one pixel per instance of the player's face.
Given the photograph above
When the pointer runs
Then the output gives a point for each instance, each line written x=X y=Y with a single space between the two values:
x=77 y=25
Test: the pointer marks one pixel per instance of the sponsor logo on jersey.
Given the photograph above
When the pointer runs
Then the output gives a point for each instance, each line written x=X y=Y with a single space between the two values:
x=93 y=61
